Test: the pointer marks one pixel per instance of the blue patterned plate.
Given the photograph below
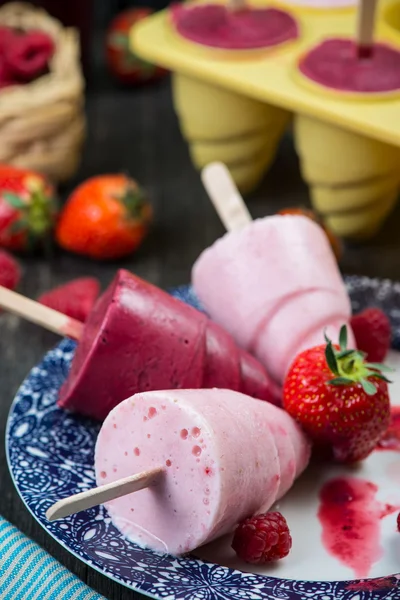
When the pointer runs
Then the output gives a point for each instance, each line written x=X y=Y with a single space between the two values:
x=50 y=456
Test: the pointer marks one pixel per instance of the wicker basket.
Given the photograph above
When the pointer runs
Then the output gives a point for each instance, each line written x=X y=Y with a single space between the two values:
x=42 y=124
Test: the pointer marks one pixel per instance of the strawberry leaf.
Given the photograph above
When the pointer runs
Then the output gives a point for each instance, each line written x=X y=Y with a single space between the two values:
x=380 y=376
x=340 y=381
x=379 y=367
x=343 y=338
x=331 y=358
x=368 y=387
x=134 y=201
x=119 y=40
x=18 y=226
x=345 y=353
x=14 y=200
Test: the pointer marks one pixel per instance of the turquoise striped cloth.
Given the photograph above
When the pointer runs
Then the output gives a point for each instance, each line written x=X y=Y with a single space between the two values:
x=29 y=573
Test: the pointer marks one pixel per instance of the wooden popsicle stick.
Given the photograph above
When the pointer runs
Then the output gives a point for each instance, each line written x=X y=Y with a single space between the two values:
x=236 y=5
x=103 y=493
x=365 y=27
x=225 y=196
x=39 y=314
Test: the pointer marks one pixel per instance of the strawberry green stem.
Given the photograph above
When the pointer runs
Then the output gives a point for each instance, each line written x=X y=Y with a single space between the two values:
x=36 y=213
x=134 y=201
x=349 y=366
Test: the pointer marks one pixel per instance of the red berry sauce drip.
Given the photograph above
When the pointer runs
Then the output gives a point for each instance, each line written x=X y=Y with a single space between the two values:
x=391 y=439
x=371 y=585
x=350 y=517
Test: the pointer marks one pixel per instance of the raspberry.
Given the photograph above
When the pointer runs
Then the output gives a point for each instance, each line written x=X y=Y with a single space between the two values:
x=10 y=272
x=398 y=522
x=373 y=334
x=263 y=538
x=6 y=37
x=74 y=299
x=5 y=77
x=28 y=55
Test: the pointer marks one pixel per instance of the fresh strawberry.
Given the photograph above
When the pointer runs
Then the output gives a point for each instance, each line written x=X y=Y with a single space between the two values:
x=106 y=217
x=75 y=298
x=263 y=538
x=398 y=522
x=126 y=66
x=10 y=271
x=373 y=333
x=27 y=57
x=27 y=208
x=306 y=212
x=340 y=400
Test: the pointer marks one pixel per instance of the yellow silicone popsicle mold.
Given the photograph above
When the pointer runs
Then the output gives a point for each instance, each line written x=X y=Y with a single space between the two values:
x=234 y=106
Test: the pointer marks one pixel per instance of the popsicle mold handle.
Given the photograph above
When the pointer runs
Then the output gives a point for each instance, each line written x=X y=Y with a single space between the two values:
x=225 y=196
x=366 y=13
x=103 y=493
x=39 y=314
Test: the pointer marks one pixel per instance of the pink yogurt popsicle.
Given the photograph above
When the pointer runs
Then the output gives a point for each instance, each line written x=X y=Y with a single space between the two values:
x=275 y=286
x=139 y=338
x=226 y=457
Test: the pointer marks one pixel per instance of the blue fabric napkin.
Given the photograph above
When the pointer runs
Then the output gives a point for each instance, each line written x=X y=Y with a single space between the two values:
x=29 y=573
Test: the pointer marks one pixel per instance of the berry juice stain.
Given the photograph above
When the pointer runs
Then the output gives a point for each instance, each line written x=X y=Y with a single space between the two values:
x=391 y=439
x=371 y=585
x=350 y=517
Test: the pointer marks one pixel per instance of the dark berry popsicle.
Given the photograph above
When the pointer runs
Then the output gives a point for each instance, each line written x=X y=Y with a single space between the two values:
x=216 y=26
x=139 y=338
x=335 y=63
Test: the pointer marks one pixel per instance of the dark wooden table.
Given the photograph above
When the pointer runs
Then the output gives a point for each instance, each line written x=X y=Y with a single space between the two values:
x=136 y=131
